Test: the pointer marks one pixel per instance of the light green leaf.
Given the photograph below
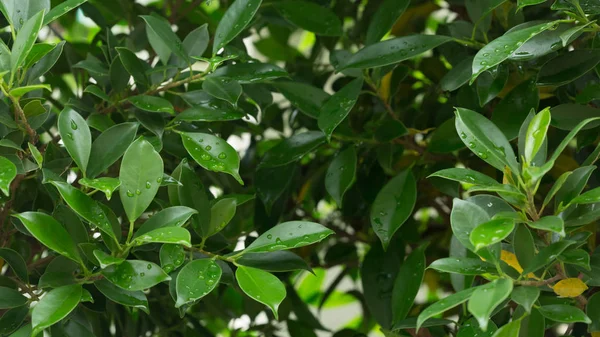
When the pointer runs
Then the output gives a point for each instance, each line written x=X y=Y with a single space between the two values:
x=20 y=91
x=524 y=3
x=135 y=299
x=152 y=104
x=212 y=153
x=464 y=218
x=486 y=298
x=563 y=313
x=223 y=88
x=338 y=106
x=536 y=134
x=171 y=257
x=525 y=296
x=393 y=206
x=161 y=35
x=445 y=304
x=485 y=139
x=26 y=38
x=550 y=223
x=502 y=48
x=491 y=232
x=547 y=255
x=55 y=306
x=384 y=18
x=140 y=175
x=106 y=260
x=235 y=20
x=261 y=286
x=510 y=329
x=466 y=176
x=175 y=216
x=463 y=265
x=51 y=233
x=76 y=136
x=196 y=280
x=221 y=214
x=407 y=283
x=246 y=73
x=311 y=17
x=175 y=235
x=35 y=153
x=105 y=184
x=288 y=235
x=393 y=51
x=135 y=275
x=62 y=9
x=341 y=174
x=8 y=172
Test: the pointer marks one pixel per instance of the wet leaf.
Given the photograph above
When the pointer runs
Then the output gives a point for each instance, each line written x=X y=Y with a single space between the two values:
x=213 y=153
x=196 y=279
x=135 y=275
x=261 y=286
x=288 y=235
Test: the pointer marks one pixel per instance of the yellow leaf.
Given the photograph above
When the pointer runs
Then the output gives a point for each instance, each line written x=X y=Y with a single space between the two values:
x=384 y=88
x=596 y=334
x=511 y=259
x=571 y=287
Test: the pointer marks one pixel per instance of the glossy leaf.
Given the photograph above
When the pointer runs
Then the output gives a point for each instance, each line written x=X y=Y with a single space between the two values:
x=210 y=113
x=175 y=235
x=393 y=51
x=491 y=232
x=486 y=298
x=288 y=235
x=196 y=279
x=213 y=153
x=140 y=175
x=444 y=305
x=135 y=275
x=547 y=255
x=61 y=9
x=261 y=286
x=221 y=214
x=236 y=18
x=25 y=40
x=341 y=174
x=384 y=18
x=105 y=185
x=466 y=176
x=458 y=76
x=536 y=134
x=307 y=98
x=106 y=260
x=134 y=299
x=550 y=223
x=171 y=257
x=54 y=306
x=223 y=88
x=152 y=104
x=246 y=73
x=338 y=106
x=568 y=67
x=175 y=216
x=19 y=92
x=160 y=33
x=76 y=136
x=311 y=17
x=12 y=319
x=393 y=206
x=407 y=283
x=463 y=265
x=276 y=261
x=292 y=149
x=51 y=233
x=8 y=172
x=563 y=313
x=16 y=262
x=525 y=296
x=11 y=298
x=510 y=329
x=109 y=147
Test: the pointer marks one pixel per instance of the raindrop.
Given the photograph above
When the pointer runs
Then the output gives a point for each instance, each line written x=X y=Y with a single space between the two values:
x=138 y=192
x=208 y=147
x=73 y=125
x=129 y=193
x=148 y=184
x=149 y=266
x=222 y=155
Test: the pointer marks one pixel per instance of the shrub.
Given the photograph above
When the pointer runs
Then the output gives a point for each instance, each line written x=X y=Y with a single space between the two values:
x=168 y=167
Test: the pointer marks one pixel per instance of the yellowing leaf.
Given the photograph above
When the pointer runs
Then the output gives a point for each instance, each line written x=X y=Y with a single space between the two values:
x=511 y=259
x=596 y=334
x=571 y=287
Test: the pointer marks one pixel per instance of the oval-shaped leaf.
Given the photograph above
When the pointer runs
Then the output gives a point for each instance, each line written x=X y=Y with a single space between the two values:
x=140 y=175
x=152 y=104
x=563 y=313
x=134 y=299
x=462 y=265
x=311 y=16
x=55 y=306
x=444 y=305
x=288 y=235
x=8 y=172
x=276 y=261
x=135 y=275
x=10 y=298
x=292 y=149
x=393 y=206
x=220 y=214
x=486 y=298
x=175 y=216
x=196 y=279
x=536 y=134
x=110 y=146
x=341 y=174
x=307 y=98
x=171 y=257
x=105 y=184
x=338 y=106
x=525 y=296
x=384 y=18
x=223 y=88
x=490 y=232
x=466 y=176
x=569 y=287
x=76 y=136
x=235 y=20
x=175 y=235
x=547 y=255
x=246 y=73
x=25 y=40
x=568 y=67
x=213 y=153
x=16 y=262
x=550 y=223
x=261 y=286
x=407 y=284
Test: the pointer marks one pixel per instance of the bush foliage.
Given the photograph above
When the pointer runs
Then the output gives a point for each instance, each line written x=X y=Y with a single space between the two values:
x=176 y=167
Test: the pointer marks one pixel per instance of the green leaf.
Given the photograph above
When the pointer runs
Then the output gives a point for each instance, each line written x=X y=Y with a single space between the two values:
x=384 y=18
x=12 y=319
x=292 y=149
x=305 y=97
x=196 y=280
x=105 y=184
x=175 y=235
x=25 y=40
x=196 y=41
x=171 y=257
x=134 y=66
x=458 y=76
x=18 y=12
x=577 y=257
x=20 y=91
x=463 y=265
x=140 y=175
x=76 y=136
x=568 y=116
x=175 y=216
x=563 y=313
x=211 y=113
x=212 y=153
x=86 y=207
x=35 y=153
x=466 y=176
x=106 y=260
x=311 y=17
x=223 y=88
x=568 y=67
x=16 y=262
x=110 y=146
x=161 y=35
x=573 y=33
x=525 y=296
x=36 y=53
x=556 y=187
x=393 y=206
x=152 y=104
x=407 y=284
x=444 y=305
x=588 y=94
x=221 y=214
x=193 y=194
x=341 y=174
x=54 y=307
x=8 y=172
x=62 y=9
x=135 y=275
x=491 y=232
x=592 y=310
x=288 y=235
x=134 y=299
x=536 y=134
x=512 y=115
x=261 y=286
x=338 y=106
x=247 y=73
x=550 y=223
x=411 y=323
x=547 y=255
x=235 y=20
x=464 y=218
x=574 y=184
x=10 y=298
x=276 y=261
x=510 y=329
x=393 y=51
x=51 y=233
x=524 y=3
x=486 y=298
x=485 y=139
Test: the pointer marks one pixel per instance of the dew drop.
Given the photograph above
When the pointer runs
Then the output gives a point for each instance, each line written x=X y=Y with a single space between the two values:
x=73 y=125
x=148 y=184
x=129 y=193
